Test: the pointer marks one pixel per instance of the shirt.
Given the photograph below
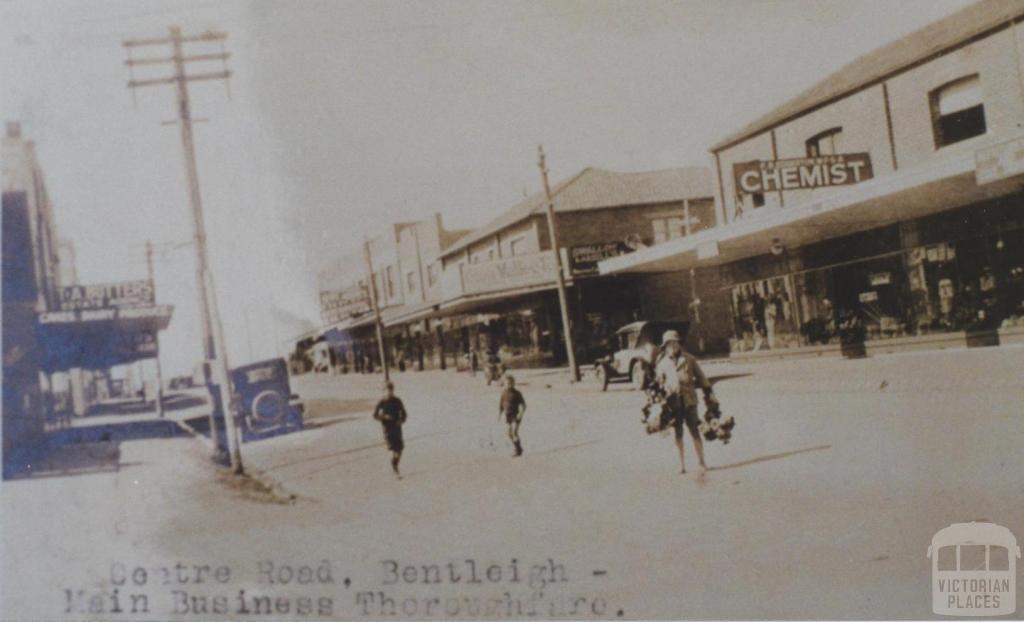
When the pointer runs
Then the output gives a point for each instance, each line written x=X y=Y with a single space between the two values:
x=390 y=411
x=511 y=399
x=682 y=375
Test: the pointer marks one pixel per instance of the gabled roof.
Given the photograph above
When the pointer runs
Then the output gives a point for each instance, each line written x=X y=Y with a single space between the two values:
x=594 y=188
x=932 y=40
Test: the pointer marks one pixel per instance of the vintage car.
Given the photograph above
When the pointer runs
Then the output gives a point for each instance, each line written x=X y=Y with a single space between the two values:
x=635 y=348
x=265 y=400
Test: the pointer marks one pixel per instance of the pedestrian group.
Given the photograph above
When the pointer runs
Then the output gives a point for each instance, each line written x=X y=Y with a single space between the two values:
x=676 y=373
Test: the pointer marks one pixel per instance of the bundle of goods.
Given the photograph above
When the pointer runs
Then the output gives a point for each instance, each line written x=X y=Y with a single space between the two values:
x=655 y=413
x=716 y=426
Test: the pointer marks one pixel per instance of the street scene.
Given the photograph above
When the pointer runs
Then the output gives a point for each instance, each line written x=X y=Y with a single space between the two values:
x=356 y=310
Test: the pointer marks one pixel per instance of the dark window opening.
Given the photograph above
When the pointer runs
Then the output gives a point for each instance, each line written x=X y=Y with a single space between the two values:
x=958 y=112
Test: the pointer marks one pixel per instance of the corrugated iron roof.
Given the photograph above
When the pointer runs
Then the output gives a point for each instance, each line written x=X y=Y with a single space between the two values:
x=887 y=60
x=594 y=188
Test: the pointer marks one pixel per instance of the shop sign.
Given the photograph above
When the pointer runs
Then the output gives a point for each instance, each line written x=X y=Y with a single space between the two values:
x=106 y=295
x=340 y=305
x=868 y=296
x=509 y=273
x=880 y=278
x=999 y=161
x=157 y=312
x=583 y=259
x=802 y=173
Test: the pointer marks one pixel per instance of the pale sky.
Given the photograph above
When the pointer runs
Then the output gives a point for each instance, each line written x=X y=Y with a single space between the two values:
x=345 y=116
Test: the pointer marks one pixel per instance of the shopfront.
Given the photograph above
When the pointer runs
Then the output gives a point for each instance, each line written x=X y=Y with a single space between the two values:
x=957 y=271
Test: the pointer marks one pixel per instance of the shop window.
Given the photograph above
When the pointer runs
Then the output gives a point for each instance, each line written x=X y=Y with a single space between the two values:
x=764 y=315
x=825 y=143
x=958 y=112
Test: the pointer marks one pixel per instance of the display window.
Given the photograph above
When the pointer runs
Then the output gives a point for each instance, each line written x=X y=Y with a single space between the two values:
x=764 y=315
x=872 y=293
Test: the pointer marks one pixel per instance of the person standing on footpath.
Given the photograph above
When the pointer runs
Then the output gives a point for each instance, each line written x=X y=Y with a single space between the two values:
x=679 y=374
x=391 y=413
x=511 y=407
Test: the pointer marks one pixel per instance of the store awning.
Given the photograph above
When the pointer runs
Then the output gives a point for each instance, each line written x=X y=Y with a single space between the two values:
x=885 y=200
x=472 y=304
x=100 y=338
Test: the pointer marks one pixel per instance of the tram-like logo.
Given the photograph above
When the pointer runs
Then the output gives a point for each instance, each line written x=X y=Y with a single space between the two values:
x=974 y=570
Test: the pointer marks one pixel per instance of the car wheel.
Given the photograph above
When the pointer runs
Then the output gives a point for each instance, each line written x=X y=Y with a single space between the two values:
x=636 y=375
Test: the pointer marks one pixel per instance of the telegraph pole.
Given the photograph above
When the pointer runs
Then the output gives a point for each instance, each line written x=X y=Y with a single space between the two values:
x=376 y=308
x=216 y=370
x=156 y=335
x=563 y=301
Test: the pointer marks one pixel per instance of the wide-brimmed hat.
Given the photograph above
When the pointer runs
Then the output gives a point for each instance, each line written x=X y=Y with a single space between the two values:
x=670 y=335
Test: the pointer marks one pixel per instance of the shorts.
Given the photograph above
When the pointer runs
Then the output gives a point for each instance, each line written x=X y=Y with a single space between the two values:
x=393 y=437
x=681 y=414
x=512 y=417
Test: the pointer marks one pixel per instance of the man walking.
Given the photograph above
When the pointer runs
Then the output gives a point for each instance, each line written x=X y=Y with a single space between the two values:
x=680 y=374
x=391 y=413
x=511 y=407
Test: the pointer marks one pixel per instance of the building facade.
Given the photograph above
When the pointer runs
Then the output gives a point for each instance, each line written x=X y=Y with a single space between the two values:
x=884 y=201
x=500 y=280
x=30 y=287
x=406 y=269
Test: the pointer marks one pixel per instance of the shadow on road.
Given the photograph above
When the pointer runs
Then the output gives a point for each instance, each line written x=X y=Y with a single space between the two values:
x=67 y=460
x=565 y=447
x=766 y=458
x=343 y=452
x=716 y=379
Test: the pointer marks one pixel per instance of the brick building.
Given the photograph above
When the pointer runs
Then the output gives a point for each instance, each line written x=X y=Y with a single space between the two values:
x=885 y=199
x=499 y=284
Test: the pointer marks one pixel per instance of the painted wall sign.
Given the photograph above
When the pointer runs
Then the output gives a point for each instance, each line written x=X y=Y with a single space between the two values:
x=340 y=305
x=583 y=259
x=802 y=173
x=510 y=273
x=106 y=295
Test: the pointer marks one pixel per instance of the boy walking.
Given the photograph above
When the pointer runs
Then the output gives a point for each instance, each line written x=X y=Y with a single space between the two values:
x=391 y=413
x=680 y=375
x=512 y=407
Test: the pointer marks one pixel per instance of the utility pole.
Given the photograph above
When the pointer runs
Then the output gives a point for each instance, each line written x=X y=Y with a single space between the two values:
x=218 y=378
x=156 y=335
x=376 y=308
x=563 y=301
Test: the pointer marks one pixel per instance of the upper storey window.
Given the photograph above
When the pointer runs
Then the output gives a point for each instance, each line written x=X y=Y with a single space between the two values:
x=958 y=112
x=825 y=143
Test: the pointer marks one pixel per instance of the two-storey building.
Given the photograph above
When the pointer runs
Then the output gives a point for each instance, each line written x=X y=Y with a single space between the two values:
x=406 y=269
x=885 y=200
x=499 y=281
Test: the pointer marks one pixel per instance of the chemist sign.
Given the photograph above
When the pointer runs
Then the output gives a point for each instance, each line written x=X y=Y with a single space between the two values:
x=759 y=176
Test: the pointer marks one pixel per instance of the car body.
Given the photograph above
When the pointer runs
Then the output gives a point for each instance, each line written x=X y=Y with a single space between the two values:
x=634 y=350
x=265 y=401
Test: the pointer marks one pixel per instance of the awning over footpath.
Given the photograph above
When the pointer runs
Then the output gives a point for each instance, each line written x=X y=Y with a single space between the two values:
x=882 y=201
x=100 y=338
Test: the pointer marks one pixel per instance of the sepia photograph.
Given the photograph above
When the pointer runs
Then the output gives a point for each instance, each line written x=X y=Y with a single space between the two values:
x=320 y=310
